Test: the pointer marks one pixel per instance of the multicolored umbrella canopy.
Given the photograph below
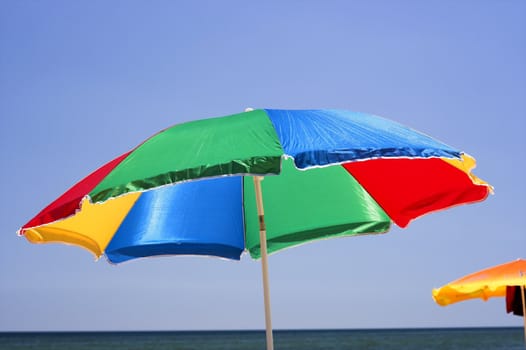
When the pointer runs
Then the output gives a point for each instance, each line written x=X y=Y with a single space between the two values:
x=327 y=173
x=196 y=188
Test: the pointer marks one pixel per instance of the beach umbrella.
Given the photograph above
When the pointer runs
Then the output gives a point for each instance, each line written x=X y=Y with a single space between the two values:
x=505 y=281
x=196 y=188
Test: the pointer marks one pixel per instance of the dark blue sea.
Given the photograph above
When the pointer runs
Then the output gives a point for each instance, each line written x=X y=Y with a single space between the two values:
x=373 y=339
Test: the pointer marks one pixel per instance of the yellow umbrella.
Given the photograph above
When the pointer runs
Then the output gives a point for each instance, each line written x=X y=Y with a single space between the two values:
x=485 y=284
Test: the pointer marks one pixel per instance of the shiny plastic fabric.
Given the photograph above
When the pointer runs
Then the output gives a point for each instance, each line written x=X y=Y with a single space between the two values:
x=202 y=217
x=302 y=206
x=243 y=143
x=188 y=189
x=483 y=284
x=322 y=137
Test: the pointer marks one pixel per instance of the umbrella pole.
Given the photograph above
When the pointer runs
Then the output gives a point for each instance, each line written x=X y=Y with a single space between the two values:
x=524 y=311
x=264 y=260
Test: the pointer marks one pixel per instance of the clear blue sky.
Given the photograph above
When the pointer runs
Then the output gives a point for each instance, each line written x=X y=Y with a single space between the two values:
x=84 y=81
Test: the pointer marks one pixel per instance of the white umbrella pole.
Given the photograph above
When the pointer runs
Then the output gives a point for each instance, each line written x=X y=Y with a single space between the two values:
x=264 y=260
